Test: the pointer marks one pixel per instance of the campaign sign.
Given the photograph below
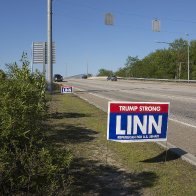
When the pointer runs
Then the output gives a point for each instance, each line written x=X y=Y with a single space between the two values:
x=137 y=121
x=66 y=89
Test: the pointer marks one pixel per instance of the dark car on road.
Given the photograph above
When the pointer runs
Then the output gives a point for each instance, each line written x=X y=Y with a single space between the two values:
x=58 y=78
x=84 y=76
x=108 y=78
x=113 y=78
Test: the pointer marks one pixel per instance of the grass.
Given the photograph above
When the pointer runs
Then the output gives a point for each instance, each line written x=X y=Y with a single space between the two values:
x=110 y=168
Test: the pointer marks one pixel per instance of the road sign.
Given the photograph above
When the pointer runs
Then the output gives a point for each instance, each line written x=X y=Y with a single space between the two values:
x=40 y=53
x=109 y=19
x=137 y=121
x=66 y=89
x=156 y=25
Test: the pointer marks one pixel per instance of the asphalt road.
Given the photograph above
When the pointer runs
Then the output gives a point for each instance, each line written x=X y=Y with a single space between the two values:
x=182 y=98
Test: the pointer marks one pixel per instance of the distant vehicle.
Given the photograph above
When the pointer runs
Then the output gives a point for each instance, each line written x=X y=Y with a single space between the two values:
x=113 y=78
x=108 y=78
x=84 y=77
x=58 y=78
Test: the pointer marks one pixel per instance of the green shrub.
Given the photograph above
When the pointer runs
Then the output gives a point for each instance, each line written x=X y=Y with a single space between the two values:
x=27 y=164
x=2 y=74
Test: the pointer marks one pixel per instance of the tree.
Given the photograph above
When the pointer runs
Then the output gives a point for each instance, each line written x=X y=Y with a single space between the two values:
x=105 y=72
x=122 y=72
x=130 y=61
x=126 y=70
x=193 y=60
x=168 y=63
x=179 y=48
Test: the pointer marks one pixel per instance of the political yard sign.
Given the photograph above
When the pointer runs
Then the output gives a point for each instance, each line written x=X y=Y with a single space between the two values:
x=66 y=89
x=137 y=121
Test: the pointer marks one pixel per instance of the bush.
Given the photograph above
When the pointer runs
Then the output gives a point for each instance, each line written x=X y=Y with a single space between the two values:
x=27 y=164
x=2 y=74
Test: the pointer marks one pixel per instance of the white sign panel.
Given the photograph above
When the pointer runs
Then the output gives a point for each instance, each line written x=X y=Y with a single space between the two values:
x=137 y=121
x=66 y=89
x=40 y=52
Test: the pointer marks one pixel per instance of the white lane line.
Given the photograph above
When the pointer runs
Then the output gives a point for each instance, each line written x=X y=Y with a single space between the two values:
x=136 y=92
x=183 y=123
x=181 y=98
x=174 y=120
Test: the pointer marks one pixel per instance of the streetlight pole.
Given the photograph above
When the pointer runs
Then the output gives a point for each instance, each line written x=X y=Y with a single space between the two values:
x=188 y=62
x=49 y=46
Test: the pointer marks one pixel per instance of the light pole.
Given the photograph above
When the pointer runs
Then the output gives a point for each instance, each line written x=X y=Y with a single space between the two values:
x=49 y=45
x=188 y=58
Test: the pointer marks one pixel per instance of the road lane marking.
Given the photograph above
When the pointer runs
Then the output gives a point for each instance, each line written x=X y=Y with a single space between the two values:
x=183 y=123
x=109 y=99
x=136 y=92
x=181 y=98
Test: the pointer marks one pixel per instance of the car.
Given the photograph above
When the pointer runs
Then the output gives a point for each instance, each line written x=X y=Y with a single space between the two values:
x=84 y=76
x=113 y=78
x=58 y=78
x=108 y=78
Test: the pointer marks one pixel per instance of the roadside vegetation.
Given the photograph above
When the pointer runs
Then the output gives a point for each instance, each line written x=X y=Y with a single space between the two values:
x=170 y=63
x=28 y=164
x=56 y=145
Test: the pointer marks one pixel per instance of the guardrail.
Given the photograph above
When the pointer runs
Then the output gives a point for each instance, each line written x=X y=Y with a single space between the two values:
x=145 y=79
x=155 y=79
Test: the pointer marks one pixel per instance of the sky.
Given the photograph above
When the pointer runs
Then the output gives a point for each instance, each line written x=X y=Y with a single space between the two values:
x=83 y=42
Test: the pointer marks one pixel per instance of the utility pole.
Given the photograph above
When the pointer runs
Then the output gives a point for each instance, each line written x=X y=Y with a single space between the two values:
x=50 y=66
x=87 y=68
x=179 y=70
x=188 y=58
x=188 y=62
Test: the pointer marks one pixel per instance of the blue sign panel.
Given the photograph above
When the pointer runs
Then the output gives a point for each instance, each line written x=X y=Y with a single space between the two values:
x=66 y=89
x=137 y=121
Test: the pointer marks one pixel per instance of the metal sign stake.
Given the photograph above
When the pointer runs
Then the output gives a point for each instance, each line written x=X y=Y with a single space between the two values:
x=106 y=152
x=166 y=153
